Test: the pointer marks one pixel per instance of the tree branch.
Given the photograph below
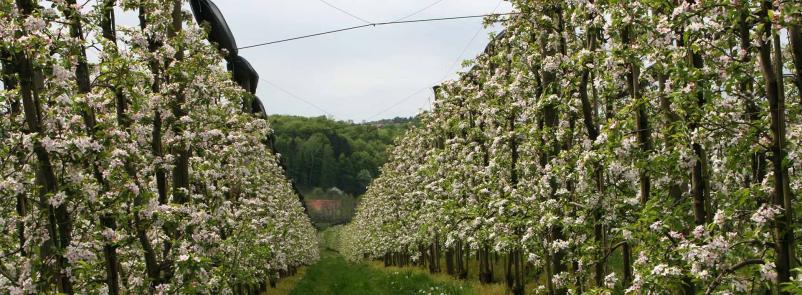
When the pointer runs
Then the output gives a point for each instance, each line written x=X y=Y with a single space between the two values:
x=712 y=287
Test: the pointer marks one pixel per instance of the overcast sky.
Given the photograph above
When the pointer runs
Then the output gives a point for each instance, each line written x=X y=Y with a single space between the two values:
x=355 y=75
x=361 y=75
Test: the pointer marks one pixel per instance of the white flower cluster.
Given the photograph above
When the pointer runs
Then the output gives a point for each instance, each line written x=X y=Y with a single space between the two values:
x=766 y=213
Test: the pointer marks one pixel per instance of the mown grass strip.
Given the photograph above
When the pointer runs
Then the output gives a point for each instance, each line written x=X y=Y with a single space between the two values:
x=334 y=275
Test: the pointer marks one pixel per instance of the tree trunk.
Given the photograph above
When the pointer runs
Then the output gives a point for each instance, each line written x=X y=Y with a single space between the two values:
x=181 y=168
x=437 y=253
x=485 y=274
x=550 y=123
x=10 y=83
x=466 y=258
x=674 y=189
x=59 y=222
x=515 y=272
x=549 y=273
x=508 y=276
x=152 y=265
x=512 y=257
x=450 y=260
x=644 y=131
x=772 y=73
x=156 y=133
x=644 y=140
x=434 y=258
x=84 y=87
x=108 y=221
x=752 y=112
x=699 y=181
x=589 y=118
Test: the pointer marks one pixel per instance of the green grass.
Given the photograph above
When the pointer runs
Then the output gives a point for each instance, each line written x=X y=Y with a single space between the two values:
x=334 y=275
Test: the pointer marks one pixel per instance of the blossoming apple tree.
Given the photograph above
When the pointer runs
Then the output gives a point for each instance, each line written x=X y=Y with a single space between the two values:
x=128 y=165
x=608 y=147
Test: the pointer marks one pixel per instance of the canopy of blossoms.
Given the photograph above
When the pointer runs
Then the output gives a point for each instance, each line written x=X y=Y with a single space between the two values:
x=609 y=147
x=128 y=165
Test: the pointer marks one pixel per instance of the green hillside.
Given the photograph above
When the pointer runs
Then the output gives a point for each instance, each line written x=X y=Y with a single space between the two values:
x=323 y=153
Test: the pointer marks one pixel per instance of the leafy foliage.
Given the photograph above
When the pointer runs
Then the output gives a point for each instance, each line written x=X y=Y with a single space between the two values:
x=323 y=153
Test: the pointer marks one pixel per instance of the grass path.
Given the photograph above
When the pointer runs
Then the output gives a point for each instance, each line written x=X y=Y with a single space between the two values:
x=334 y=275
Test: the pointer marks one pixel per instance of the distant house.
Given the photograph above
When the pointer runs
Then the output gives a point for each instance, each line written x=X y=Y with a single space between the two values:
x=332 y=206
x=323 y=206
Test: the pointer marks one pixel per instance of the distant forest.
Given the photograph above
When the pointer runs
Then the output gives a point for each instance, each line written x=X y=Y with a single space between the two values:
x=323 y=153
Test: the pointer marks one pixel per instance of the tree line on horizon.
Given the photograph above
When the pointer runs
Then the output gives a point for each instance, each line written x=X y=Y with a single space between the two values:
x=319 y=152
